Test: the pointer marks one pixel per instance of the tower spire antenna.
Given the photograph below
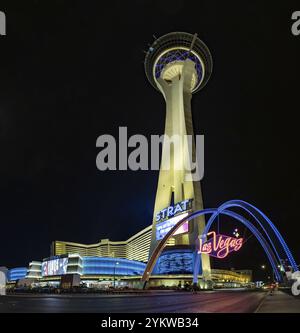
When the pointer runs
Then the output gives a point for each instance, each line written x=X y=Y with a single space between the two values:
x=190 y=49
x=192 y=43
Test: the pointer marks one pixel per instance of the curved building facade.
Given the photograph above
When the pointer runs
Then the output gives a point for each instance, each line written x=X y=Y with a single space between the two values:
x=112 y=266
x=34 y=270
x=15 y=274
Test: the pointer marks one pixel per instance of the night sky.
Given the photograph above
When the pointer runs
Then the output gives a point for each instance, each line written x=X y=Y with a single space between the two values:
x=73 y=70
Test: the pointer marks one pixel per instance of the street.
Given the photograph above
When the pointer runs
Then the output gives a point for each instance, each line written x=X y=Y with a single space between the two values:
x=152 y=302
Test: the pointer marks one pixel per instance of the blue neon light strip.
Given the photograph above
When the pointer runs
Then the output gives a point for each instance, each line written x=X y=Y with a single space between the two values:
x=109 y=266
x=245 y=205
x=233 y=203
x=178 y=55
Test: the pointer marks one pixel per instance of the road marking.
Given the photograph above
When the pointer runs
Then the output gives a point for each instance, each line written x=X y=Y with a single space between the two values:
x=261 y=303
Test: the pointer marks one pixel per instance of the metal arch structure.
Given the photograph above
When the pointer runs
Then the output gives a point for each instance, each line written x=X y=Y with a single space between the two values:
x=264 y=223
x=270 y=249
x=160 y=246
x=270 y=254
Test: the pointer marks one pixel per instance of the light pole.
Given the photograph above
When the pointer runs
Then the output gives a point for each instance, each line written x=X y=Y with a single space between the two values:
x=115 y=274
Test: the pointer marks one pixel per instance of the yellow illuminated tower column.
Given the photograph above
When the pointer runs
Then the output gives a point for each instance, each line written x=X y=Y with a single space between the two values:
x=178 y=64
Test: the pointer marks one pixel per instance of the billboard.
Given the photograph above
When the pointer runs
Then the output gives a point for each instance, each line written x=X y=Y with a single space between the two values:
x=56 y=266
x=164 y=227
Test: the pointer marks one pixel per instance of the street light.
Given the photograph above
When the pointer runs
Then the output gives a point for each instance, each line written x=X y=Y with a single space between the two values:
x=263 y=267
x=273 y=273
x=115 y=274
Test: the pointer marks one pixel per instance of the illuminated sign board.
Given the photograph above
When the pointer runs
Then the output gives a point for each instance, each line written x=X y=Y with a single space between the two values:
x=168 y=217
x=164 y=227
x=171 y=211
x=56 y=266
x=218 y=245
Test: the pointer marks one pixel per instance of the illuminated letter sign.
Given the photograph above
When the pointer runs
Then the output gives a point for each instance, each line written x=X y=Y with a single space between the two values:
x=219 y=246
x=171 y=211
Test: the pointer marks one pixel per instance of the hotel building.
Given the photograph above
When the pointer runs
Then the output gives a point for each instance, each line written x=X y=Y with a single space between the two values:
x=134 y=248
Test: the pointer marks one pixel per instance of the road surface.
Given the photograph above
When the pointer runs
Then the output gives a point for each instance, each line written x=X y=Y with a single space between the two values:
x=155 y=302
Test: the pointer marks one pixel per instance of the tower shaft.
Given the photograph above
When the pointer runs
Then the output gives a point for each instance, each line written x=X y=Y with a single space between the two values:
x=172 y=183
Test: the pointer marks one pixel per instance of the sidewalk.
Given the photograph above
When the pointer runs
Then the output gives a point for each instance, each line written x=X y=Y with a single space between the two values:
x=280 y=302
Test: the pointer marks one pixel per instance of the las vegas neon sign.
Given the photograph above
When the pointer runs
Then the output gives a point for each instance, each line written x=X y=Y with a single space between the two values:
x=218 y=245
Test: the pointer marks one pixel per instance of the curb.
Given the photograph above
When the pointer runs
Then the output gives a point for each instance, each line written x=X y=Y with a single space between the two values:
x=261 y=302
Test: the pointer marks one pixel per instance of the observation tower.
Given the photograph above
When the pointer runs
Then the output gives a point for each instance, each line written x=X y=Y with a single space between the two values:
x=178 y=65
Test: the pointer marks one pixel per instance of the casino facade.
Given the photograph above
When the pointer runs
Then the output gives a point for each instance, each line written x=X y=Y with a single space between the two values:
x=118 y=264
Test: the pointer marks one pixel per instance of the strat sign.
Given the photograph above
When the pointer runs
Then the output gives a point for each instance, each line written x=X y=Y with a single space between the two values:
x=169 y=213
x=219 y=246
